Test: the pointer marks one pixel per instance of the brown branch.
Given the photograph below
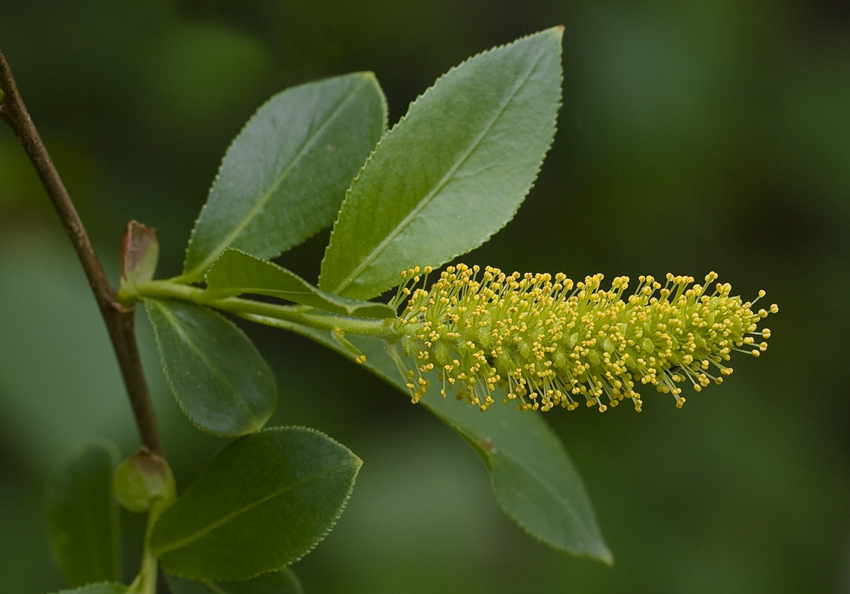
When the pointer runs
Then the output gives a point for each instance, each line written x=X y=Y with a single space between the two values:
x=119 y=319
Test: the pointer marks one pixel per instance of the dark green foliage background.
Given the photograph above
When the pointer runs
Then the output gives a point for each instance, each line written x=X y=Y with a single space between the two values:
x=693 y=137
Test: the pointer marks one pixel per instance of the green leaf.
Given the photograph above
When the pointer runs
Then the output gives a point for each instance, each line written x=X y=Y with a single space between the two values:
x=236 y=272
x=533 y=478
x=83 y=516
x=285 y=174
x=263 y=503
x=452 y=172
x=276 y=582
x=219 y=378
x=97 y=589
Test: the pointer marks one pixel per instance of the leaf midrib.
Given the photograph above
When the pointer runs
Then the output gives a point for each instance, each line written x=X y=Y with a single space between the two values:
x=224 y=519
x=379 y=249
x=307 y=144
x=227 y=288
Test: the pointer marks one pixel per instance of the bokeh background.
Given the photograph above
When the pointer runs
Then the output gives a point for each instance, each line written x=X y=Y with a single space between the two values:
x=694 y=136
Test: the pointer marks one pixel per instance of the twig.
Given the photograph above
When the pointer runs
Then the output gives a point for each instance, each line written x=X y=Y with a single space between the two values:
x=119 y=319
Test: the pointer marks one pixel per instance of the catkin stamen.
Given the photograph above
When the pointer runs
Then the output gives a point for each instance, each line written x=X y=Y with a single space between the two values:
x=546 y=340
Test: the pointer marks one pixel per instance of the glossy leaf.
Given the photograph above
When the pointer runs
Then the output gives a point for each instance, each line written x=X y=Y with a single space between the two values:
x=236 y=272
x=452 y=172
x=285 y=174
x=263 y=503
x=533 y=478
x=276 y=582
x=83 y=516
x=105 y=588
x=219 y=378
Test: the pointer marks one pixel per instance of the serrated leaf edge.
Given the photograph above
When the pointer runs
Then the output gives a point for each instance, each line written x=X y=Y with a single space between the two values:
x=557 y=30
x=180 y=404
x=607 y=557
x=358 y=463
x=368 y=76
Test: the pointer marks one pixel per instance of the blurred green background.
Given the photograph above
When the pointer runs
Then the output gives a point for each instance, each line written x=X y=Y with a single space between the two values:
x=694 y=136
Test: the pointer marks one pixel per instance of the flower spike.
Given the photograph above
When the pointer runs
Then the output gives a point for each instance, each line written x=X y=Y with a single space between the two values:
x=551 y=342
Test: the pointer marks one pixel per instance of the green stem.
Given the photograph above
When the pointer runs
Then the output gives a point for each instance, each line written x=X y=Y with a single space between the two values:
x=145 y=582
x=247 y=308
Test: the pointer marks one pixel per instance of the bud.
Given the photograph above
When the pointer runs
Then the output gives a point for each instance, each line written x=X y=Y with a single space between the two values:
x=142 y=478
x=139 y=254
x=551 y=342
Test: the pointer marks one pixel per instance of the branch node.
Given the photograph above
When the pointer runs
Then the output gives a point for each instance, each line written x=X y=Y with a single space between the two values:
x=119 y=319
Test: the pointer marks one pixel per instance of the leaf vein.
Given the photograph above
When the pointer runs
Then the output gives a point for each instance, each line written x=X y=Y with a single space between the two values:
x=175 y=322
x=308 y=143
x=237 y=512
x=426 y=200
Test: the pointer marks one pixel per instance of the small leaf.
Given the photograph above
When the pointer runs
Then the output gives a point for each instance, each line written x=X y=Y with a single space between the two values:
x=219 y=378
x=285 y=174
x=533 y=478
x=142 y=478
x=83 y=516
x=263 y=503
x=276 y=582
x=452 y=172
x=236 y=272
x=139 y=254
x=97 y=589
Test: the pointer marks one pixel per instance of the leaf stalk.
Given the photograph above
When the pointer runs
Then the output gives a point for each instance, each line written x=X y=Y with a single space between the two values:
x=250 y=309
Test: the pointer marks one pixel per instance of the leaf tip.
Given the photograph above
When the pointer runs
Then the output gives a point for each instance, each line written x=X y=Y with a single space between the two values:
x=599 y=551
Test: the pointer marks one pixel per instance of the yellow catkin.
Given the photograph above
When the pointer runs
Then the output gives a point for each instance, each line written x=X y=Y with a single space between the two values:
x=548 y=341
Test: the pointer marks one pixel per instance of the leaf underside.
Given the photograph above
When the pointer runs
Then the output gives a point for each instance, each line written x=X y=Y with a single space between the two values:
x=220 y=380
